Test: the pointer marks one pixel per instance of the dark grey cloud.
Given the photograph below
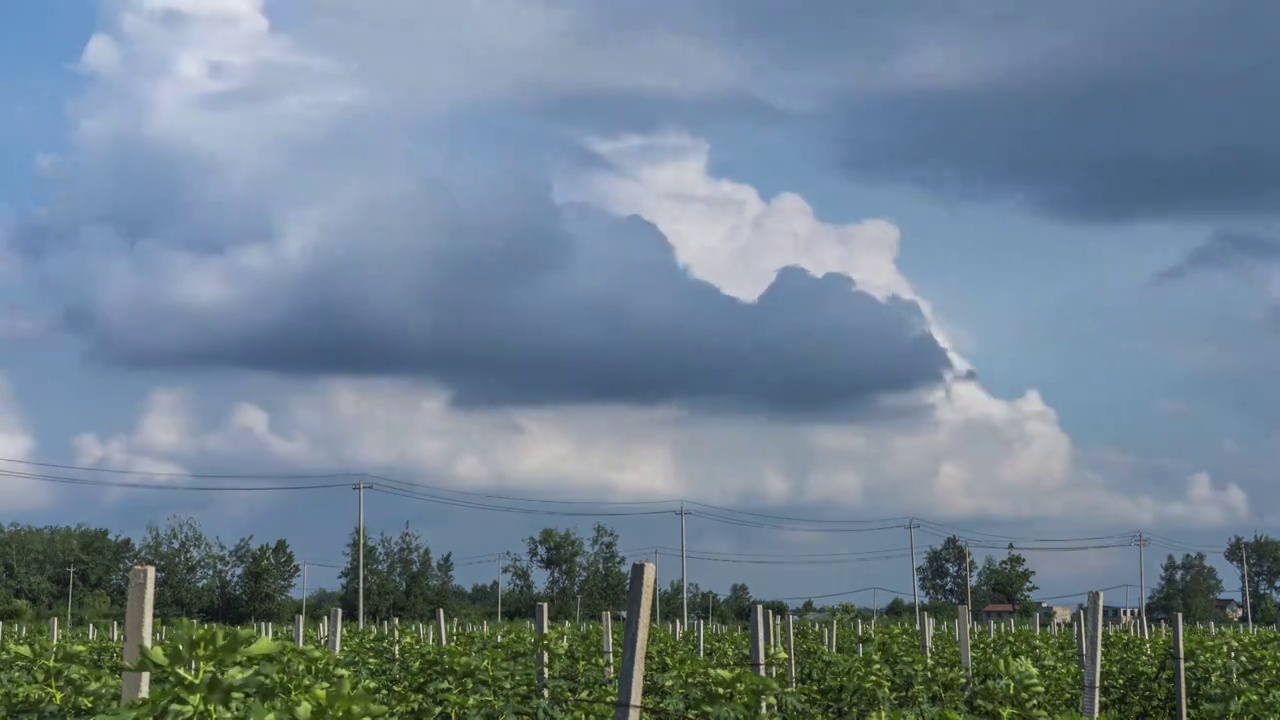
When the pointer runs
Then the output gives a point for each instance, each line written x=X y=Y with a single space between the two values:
x=1093 y=111
x=614 y=319
x=1224 y=250
x=1162 y=111
x=454 y=265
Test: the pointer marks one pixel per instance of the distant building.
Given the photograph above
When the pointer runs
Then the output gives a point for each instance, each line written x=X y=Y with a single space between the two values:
x=1112 y=614
x=999 y=611
x=1230 y=607
x=1051 y=614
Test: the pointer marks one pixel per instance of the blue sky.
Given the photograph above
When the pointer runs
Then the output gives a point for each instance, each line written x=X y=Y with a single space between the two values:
x=1013 y=271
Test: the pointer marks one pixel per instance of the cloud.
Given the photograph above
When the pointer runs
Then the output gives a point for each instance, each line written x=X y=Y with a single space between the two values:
x=973 y=456
x=457 y=267
x=1089 y=110
x=319 y=204
x=1224 y=250
x=17 y=443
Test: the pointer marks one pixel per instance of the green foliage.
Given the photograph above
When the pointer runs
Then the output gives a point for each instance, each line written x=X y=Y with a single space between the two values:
x=946 y=573
x=1189 y=586
x=218 y=672
x=1008 y=580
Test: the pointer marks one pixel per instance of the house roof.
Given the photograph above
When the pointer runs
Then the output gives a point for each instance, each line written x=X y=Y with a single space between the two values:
x=1221 y=603
x=999 y=607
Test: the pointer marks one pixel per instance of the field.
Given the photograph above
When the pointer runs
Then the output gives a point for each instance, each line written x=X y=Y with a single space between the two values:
x=226 y=673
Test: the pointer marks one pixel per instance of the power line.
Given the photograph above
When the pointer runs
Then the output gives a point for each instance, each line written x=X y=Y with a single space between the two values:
x=504 y=503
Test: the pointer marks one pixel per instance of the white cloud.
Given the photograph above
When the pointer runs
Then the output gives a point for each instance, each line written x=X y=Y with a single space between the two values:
x=17 y=443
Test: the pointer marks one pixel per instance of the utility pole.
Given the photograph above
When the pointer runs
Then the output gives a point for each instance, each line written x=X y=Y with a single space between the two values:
x=71 y=580
x=968 y=583
x=711 y=598
x=304 y=591
x=657 y=595
x=915 y=579
x=1142 y=579
x=578 y=613
x=684 y=572
x=360 y=488
x=1248 y=608
x=499 y=588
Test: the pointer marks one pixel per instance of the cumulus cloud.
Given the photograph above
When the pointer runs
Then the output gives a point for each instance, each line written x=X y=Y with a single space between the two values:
x=238 y=197
x=17 y=443
x=457 y=267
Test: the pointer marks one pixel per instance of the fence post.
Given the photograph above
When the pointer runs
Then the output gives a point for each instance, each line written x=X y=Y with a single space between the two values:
x=758 y=623
x=635 y=642
x=335 y=630
x=1093 y=656
x=540 y=627
x=1179 y=670
x=924 y=634
x=835 y=625
x=139 y=609
x=606 y=626
x=962 y=636
x=53 y=630
x=757 y=640
x=1080 y=639
x=298 y=630
x=770 y=639
x=440 y=627
x=701 y=639
x=791 y=651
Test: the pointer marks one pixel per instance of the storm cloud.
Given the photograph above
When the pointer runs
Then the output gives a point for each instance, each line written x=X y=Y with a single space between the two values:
x=302 y=227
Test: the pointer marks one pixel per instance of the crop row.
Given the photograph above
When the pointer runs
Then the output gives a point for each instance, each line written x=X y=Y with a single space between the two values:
x=221 y=672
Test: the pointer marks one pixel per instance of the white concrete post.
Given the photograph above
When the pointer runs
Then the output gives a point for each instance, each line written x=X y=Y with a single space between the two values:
x=541 y=625
x=138 y=617
x=1179 y=670
x=791 y=652
x=606 y=630
x=1092 y=676
x=335 y=630
x=635 y=642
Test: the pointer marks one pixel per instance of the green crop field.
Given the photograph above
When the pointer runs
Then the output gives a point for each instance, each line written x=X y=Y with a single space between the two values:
x=235 y=673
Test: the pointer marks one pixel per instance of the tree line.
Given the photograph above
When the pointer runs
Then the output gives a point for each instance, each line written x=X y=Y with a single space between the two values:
x=203 y=577
x=1189 y=585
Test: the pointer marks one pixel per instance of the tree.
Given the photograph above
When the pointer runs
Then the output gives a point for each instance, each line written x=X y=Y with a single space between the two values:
x=1189 y=587
x=519 y=593
x=349 y=577
x=1263 y=555
x=897 y=609
x=604 y=577
x=737 y=604
x=558 y=553
x=1008 y=580
x=181 y=555
x=946 y=572
x=267 y=575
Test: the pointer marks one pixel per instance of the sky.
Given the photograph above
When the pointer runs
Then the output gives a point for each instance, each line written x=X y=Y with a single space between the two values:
x=814 y=270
